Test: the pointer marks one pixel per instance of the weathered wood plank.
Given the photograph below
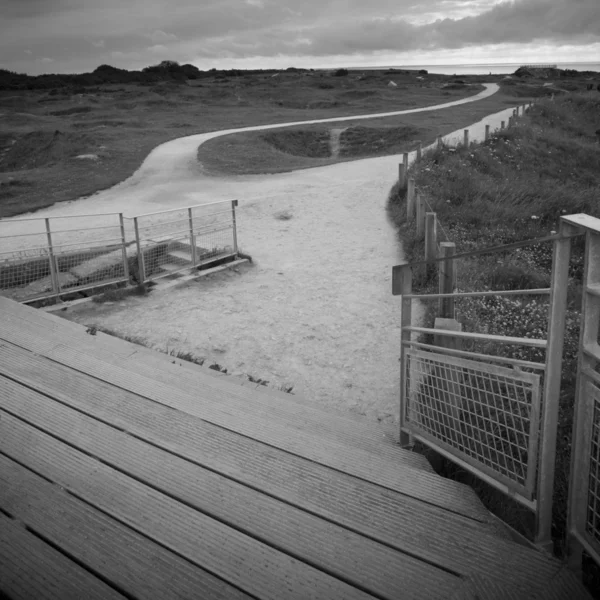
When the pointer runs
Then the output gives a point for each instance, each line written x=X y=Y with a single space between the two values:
x=242 y=561
x=30 y=568
x=131 y=562
x=349 y=556
x=359 y=433
x=412 y=482
x=428 y=532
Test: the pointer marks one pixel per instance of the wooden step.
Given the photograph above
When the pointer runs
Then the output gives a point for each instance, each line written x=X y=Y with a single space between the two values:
x=291 y=478
x=30 y=568
x=181 y=257
x=129 y=561
x=446 y=540
x=241 y=561
x=362 y=562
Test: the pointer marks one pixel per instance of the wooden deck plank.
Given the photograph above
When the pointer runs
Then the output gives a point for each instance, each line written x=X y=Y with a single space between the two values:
x=244 y=562
x=30 y=568
x=351 y=557
x=256 y=402
x=426 y=531
x=414 y=483
x=131 y=562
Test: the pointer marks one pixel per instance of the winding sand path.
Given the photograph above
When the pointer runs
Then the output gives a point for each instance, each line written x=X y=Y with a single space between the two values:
x=315 y=310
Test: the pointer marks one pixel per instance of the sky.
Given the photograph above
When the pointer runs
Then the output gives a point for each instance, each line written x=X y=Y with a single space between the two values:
x=75 y=36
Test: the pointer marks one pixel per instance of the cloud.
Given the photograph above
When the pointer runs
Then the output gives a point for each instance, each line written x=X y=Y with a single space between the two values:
x=158 y=36
x=46 y=59
x=76 y=32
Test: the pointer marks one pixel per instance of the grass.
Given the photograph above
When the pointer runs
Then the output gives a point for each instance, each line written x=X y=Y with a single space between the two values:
x=303 y=147
x=43 y=131
x=511 y=188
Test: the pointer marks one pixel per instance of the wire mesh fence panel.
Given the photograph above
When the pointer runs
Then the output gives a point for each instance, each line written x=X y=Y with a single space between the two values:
x=25 y=263
x=88 y=251
x=485 y=414
x=214 y=231
x=173 y=241
x=42 y=258
x=592 y=528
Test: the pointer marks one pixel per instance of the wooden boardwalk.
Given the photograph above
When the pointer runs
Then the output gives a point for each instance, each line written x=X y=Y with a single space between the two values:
x=125 y=473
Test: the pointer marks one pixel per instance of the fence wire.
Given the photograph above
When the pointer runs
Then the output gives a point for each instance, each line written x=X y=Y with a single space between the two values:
x=48 y=257
x=173 y=241
x=44 y=258
x=486 y=414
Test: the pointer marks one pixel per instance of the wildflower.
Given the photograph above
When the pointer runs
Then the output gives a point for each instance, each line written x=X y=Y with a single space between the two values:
x=534 y=217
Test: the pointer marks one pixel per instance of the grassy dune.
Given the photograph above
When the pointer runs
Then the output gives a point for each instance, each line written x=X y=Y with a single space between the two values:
x=113 y=127
x=512 y=188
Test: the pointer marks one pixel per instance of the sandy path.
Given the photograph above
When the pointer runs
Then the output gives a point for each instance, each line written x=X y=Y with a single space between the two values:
x=315 y=310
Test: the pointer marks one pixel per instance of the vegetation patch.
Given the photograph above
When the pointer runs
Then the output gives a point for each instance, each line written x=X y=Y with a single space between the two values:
x=312 y=144
x=42 y=148
x=362 y=141
x=514 y=187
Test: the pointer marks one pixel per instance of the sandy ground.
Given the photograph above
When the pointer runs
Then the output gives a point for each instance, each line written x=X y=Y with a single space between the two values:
x=315 y=309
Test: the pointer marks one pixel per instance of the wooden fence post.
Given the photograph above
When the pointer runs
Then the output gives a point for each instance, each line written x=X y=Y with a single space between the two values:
x=561 y=257
x=430 y=236
x=52 y=259
x=466 y=138
x=419 y=151
x=487 y=133
x=410 y=198
x=440 y=141
x=420 y=216
x=401 y=175
x=405 y=163
x=502 y=124
x=402 y=285
x=447 y=279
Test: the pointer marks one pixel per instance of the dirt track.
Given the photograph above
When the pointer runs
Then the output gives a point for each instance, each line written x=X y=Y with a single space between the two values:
x=314 y=311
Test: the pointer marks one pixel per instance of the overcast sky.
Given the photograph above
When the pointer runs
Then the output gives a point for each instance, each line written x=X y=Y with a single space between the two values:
x=66 y=36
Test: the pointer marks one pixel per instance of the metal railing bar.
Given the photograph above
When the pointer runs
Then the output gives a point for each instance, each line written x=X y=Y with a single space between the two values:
x=85 y=215
x=477 y=355
x=491 y=249
x=539 y=292
x=55 y=231
x=160 y=212
x=501 y=339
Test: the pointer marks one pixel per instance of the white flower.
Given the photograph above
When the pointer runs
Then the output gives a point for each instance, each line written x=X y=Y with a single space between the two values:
x=534 y=217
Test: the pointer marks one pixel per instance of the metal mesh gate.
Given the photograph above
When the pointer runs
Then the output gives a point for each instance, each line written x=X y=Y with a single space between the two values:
x=486 y=414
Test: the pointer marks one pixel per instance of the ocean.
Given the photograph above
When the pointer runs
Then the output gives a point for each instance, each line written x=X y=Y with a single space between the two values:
x=484 y=69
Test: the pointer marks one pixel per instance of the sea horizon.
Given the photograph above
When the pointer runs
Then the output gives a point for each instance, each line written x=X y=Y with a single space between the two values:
x=483 y=68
